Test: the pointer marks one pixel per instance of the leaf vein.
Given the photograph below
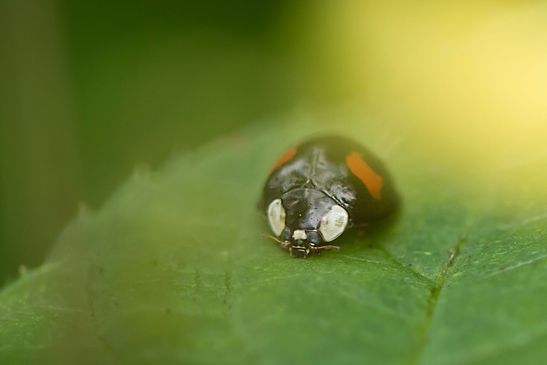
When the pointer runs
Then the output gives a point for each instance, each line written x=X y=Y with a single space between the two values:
x=517 y=265
x=434 y=295
x=406 y=267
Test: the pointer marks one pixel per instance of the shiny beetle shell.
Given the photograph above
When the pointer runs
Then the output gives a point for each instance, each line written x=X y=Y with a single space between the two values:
x=322 y=187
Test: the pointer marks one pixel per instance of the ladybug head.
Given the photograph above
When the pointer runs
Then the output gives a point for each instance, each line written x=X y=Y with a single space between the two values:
x=305 y=220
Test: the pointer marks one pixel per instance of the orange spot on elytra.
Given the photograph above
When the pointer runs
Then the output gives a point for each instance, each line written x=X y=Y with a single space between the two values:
x=366 y=174
x=286 y=157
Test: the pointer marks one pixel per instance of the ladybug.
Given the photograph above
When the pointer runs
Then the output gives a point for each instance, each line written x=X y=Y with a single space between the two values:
x=321 y=188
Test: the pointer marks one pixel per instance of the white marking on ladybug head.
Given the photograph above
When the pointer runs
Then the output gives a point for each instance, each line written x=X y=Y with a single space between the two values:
x=299 y=234
x=334 y=223
x=276 y=216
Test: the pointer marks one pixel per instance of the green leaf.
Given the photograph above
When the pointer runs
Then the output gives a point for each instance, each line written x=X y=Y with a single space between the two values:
x=173 y=269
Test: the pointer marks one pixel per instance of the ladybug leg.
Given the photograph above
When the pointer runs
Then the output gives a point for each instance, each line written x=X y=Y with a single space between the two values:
x=286 y=245
x=317 y=249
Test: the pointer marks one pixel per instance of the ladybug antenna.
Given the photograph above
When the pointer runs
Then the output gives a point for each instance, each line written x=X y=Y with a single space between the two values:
x=283 y=244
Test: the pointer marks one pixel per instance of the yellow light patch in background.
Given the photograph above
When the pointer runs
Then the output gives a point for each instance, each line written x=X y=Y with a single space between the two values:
x=468 y=79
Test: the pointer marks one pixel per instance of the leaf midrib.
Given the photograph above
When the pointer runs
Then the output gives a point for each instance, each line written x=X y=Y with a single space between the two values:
x=434 y=295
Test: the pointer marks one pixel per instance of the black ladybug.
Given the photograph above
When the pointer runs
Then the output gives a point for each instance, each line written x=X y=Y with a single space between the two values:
x=322 y=187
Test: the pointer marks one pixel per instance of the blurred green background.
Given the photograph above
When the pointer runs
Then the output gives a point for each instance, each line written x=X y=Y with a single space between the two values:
x=92 y=90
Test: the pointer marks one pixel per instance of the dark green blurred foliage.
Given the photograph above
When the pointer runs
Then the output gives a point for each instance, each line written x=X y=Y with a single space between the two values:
x=92 y=89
